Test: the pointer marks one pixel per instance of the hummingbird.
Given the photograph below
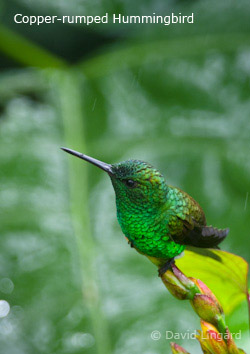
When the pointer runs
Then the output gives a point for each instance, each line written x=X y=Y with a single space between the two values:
x=158 y=220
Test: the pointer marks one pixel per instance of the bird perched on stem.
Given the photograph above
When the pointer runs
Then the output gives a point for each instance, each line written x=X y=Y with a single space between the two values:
x=158 y=220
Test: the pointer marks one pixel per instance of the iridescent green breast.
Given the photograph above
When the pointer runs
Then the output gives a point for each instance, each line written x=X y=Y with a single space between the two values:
x=148 y=231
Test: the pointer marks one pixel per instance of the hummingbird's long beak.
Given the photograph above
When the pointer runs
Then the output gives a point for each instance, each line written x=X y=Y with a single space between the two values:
x=104 y=166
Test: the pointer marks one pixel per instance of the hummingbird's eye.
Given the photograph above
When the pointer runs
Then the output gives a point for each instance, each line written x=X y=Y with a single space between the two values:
x=130 y=183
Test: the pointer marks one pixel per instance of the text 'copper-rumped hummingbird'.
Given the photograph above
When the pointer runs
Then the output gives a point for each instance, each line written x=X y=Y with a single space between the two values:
x=159 y=220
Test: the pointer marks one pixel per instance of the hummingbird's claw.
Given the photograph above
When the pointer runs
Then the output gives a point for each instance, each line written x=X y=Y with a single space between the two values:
x=131 y=244
x=165 y=267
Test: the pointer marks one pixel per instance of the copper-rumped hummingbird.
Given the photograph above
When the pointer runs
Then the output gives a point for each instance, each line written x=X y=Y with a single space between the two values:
x=158 y=220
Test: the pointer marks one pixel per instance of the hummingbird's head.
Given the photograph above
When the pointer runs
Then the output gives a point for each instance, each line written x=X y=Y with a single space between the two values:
x=136 y=183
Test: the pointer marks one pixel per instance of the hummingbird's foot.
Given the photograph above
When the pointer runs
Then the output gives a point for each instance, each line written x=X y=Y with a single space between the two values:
x=165 y=267
x=131 y=244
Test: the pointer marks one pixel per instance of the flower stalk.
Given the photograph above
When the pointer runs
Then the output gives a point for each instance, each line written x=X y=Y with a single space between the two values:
x=214 y=336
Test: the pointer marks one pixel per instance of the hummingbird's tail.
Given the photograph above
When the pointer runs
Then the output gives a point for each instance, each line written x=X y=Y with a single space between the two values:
x=213 y=235
x=208 y=237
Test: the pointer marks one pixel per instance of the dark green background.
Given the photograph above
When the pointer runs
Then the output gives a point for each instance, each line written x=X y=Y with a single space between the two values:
x=176 y=96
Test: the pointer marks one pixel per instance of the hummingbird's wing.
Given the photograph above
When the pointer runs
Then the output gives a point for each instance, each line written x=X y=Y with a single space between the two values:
x=205 y=237
x=187 y=224
x=190 y=232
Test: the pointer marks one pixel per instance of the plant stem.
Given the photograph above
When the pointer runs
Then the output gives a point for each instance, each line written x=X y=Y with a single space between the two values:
x=26 y=52
x=70 y=100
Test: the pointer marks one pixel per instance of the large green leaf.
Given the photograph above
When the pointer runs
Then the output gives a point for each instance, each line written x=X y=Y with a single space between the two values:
x=223 y=272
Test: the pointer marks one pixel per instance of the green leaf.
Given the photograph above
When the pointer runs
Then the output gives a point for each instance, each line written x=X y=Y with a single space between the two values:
x=223 y=272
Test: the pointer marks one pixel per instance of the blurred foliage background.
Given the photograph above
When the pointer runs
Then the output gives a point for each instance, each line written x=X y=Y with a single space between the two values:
x=176 y=96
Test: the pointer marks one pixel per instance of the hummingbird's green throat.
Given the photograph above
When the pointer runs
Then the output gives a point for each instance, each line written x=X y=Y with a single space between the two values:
x=158 y=219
